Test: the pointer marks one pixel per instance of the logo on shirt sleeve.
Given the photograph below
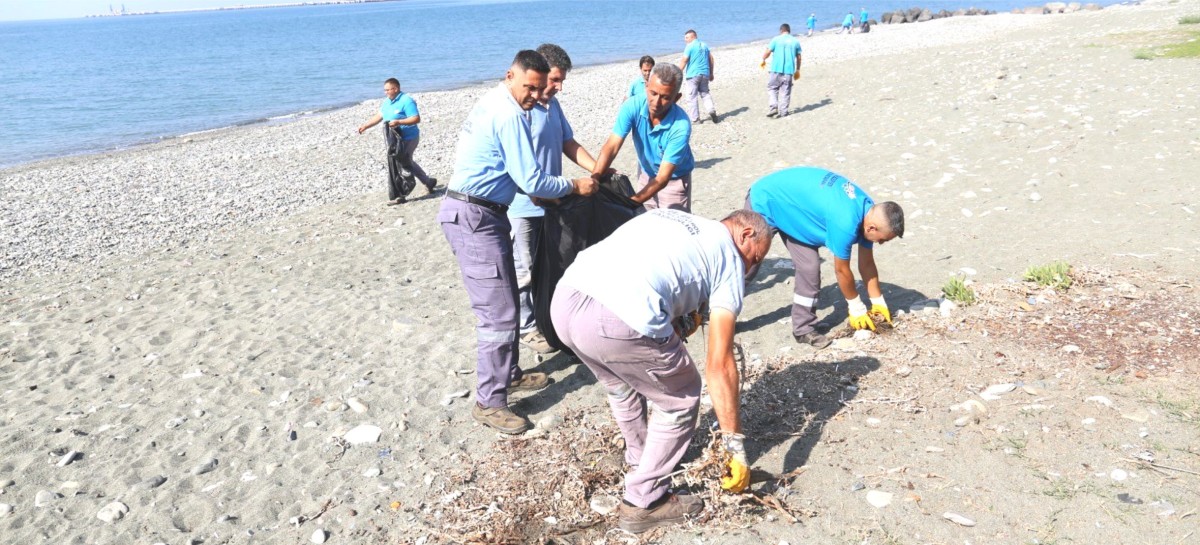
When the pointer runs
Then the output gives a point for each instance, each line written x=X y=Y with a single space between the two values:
x=849 y=189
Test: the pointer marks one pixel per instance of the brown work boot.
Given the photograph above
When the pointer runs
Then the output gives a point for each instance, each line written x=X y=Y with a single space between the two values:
x=671 y=509
x=500 y=419
x=529 y=382
x=816 y=340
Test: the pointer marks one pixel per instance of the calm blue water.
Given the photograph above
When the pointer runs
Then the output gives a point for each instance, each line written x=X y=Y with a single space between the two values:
x=85 y=85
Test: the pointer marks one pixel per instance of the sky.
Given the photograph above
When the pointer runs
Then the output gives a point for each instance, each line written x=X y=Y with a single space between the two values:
x=17 y=10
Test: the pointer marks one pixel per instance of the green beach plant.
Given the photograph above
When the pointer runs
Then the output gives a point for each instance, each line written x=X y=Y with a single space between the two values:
x=1190 y=20
x=1056 y=275
x=957 y=290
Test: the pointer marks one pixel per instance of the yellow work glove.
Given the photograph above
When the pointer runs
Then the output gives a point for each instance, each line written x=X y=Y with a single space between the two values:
x=879 y=306
x=796 y=75
x=737 y=471
x=859 y=319
x=763 y=64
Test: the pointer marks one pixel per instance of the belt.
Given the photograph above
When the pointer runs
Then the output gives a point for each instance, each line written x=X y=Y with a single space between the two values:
x=494 y=207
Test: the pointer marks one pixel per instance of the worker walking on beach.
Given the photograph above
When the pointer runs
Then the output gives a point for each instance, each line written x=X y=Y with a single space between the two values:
x=552 y=139
x=629 y=328
x=813 y=207
x=698 y=69
x=402 y=135
x=495 y=161
x=661 y=137
x=847 y=24
x=812 y=23
x=784 y=52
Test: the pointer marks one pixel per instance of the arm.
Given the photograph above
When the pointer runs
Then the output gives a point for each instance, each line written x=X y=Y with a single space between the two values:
x=868 y=271
x=845 y=278
x=656 y=184
x=712 y=67
x=374 y=121
x=578 y=155
x=608 y=152
x=720 y=370
x=766 y=53
x=520 y=162
x=406 y=121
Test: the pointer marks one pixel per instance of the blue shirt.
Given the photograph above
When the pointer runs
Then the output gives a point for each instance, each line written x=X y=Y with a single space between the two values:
x=495 y=154
x=697 y=55
x=401 y=107
x=637 y=87
x=862 y=17
x=689 y=262
x=668 y=142
x=550 y=129
x=814 y=206
x=784 y=49
x=812 y=21
x=849 y=20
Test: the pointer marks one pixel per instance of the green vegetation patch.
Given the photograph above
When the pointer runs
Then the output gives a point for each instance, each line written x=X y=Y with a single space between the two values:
x=958 y=291
x=1056 y=275
x=1188 y=49
x=1190 y=20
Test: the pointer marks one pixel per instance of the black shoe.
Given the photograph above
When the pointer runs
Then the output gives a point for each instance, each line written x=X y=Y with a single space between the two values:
x=814 y=339
x=772 y=113
x=713 y=117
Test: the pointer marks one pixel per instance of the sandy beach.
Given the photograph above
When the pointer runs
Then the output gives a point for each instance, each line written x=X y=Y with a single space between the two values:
x=192 y=327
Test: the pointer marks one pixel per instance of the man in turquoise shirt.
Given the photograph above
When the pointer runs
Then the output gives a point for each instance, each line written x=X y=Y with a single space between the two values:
x=813 y=207
x=661 y=135
x=495 y=161
x=862 y=17
x=812 y=23
x=698 y=67
x=552 y=139
x=784 y=52
x=638 y=85
x=847 y=24
x=402 y=134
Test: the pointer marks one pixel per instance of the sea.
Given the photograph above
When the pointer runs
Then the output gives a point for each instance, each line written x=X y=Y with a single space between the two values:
x=78 y=86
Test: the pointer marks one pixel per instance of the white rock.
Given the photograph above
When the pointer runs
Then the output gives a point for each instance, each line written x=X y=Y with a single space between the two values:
x=993 y=392
x=873 y=422
x=450 y=397
x=968 y=271
x=549 y=422
x=604 y=504
x=356 y=405
x=967 y=212
x=958 y=519
x=1088 y=421
x=934 y=449
x=319 y=536
x=5 y=509
x=112 y=512
x=362 y=434
x=335 y=406
x=1101 y=400
x=67 y=458
x=879 y=498
x=1119 y=475
x=903 y=371
x=205 y=467
x=44 y=498
x=863 y=335
x=372 y=472
x=1035 y=196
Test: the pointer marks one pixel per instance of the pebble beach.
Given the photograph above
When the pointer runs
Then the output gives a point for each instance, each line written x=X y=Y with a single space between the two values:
x=226 y=337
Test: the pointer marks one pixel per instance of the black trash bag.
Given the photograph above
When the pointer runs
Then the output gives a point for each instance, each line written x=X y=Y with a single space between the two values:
x=569 y=227
x=399 y=163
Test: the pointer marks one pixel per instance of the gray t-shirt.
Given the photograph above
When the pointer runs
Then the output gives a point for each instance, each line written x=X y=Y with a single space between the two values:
x=659 y=266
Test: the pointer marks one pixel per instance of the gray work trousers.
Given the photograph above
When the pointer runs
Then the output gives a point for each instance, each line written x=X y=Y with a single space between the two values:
x=480 y=240
x=525 y=233
x=694 y=90
x=641 y=375
x=676 y=195
x=779 y=93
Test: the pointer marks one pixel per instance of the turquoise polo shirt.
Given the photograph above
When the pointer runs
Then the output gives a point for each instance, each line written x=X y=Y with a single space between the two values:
x=784 y=49
x=814 y=206
x=848 y=21
x=401 y=107
x=697 y=53
x=637 y=87
x=862 y=17
x=668 y=142
x=812 y=21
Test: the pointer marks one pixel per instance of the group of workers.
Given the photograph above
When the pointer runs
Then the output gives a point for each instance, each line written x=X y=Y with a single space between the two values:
x=626 y=304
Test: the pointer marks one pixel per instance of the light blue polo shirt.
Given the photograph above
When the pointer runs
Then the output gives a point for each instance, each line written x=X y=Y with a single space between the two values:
x=402 y=107
x=812 y=21
x=687 y=263
x=637 y=87
x=848 y=21
x=814 y=206
x=784 y=49
x=697 y=53
x=862 y=17
x=550 y=129
x=668 y=142
x=495 y=153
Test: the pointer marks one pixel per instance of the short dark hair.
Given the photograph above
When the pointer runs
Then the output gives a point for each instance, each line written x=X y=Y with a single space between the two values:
x=785 y=28
x=895 y=217
x=392 y=81
x=556 y=57
x=690 y=31
x=646 y=59
x=528 y=59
